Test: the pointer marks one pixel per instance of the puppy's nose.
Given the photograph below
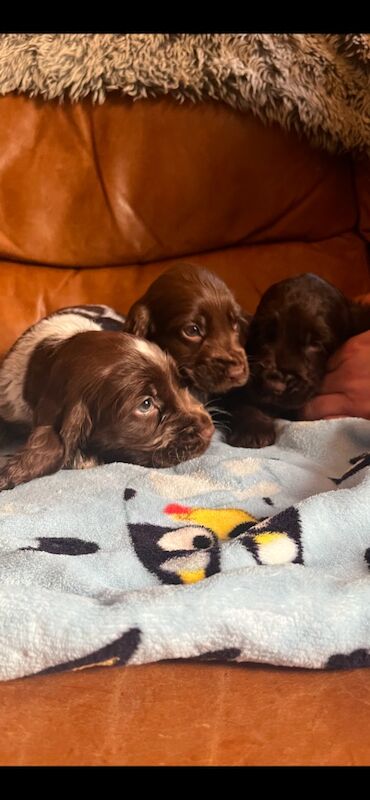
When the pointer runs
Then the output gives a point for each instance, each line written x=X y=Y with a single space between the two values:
x=278 y=387
x=236 y=370
x=274 y=381
x=234 y=363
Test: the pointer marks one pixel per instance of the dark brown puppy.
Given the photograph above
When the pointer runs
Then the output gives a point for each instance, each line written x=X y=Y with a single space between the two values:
x=298 y=325
x=190 y=312
x=108 y=395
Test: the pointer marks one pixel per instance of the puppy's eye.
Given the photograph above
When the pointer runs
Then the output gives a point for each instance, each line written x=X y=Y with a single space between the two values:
x=192 y=331
x=234 y=323
x=146 y=405
x=313 y=345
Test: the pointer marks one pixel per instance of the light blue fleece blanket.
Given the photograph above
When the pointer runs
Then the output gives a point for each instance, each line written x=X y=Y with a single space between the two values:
x=252 y=556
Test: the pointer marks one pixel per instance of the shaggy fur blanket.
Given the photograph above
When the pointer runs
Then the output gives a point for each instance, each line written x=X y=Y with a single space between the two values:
x=317 y=84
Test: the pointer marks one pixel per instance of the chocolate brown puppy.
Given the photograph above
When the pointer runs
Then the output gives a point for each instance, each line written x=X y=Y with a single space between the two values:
x=108 y=395
x=298 y=325
x=190 y=313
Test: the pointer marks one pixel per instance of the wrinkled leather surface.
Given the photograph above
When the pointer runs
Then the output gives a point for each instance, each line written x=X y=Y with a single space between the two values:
x=94 y=204
x=187 y=714
x=126 y=182
x=29 y=292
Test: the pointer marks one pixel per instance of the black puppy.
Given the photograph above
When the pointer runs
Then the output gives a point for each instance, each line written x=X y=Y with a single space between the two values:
x=298 y=325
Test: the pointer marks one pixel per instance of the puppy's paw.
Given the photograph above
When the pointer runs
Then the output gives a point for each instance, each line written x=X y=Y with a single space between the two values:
x=262 y=435
x=82 y=461
x=6 y=481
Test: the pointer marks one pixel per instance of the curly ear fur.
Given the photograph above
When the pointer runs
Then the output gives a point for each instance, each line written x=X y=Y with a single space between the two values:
x=75 y=430
x=138 y=321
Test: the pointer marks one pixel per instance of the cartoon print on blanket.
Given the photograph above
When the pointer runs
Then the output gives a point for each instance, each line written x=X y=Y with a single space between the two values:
x=361 y=461
x=355 y=660
x=64 y=546
x=191 y=553
x=115 y=654
x=226 y=654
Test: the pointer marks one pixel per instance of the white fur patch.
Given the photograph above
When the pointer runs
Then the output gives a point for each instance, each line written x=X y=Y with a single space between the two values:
x=150 y=350
x=95 y=312
x=144 y=348
x=13 y=407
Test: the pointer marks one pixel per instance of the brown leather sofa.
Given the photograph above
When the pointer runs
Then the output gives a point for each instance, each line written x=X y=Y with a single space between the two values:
x=95 y=201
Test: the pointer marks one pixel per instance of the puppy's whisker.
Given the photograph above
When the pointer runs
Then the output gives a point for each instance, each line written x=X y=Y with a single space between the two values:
x=222 y=411
x=217 y=410
x=222 y=427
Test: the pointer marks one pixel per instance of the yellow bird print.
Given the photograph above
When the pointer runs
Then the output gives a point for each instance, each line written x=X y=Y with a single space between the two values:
x=221 y=521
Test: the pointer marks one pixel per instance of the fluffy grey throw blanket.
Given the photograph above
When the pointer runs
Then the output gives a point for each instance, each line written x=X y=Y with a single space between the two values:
x=318 y=84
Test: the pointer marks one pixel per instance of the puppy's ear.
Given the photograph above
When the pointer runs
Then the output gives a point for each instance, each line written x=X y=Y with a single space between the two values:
x=42 y=454
x=138 y=321
x=244 y=320
x=75 y=430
